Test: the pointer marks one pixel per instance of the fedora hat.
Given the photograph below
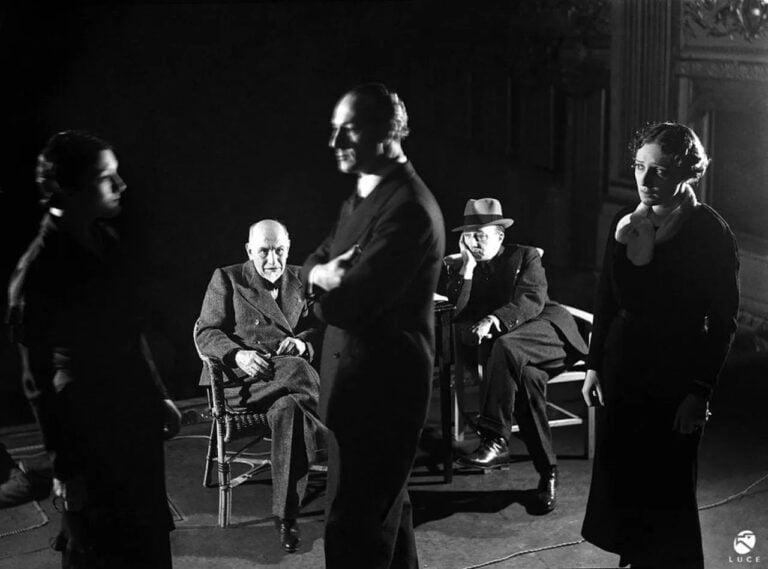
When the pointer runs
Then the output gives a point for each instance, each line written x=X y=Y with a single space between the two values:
x=481 y=212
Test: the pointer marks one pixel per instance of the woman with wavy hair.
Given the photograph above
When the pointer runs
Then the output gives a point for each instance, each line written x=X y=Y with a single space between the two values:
x=102 y=409
x=665 y=315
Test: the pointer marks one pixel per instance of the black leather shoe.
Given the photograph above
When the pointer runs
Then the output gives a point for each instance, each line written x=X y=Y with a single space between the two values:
x=546 y=493
x=492 y=453
x=289 y=534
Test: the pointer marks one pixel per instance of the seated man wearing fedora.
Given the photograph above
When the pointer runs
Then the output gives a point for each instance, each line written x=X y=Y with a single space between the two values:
x=500 y=293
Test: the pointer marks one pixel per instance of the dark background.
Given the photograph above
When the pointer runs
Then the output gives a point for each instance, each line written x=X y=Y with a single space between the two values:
x=219 y=115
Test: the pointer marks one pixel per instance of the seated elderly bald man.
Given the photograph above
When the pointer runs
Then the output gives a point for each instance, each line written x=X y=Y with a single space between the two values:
x=256 y=321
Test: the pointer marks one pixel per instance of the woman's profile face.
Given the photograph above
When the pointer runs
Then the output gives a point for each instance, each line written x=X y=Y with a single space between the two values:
x=104 y=186
x=657 y=176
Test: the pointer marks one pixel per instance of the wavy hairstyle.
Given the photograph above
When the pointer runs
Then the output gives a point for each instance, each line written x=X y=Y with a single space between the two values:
x=64 y=160
x=678 y=141
x=383 y=106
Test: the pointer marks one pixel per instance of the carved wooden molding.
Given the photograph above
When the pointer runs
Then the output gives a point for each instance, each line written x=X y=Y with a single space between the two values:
x=737 y=70
x=745 y=19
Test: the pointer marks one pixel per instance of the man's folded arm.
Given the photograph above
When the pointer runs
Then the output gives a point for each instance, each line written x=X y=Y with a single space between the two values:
x=318 y=256
x=383 y=271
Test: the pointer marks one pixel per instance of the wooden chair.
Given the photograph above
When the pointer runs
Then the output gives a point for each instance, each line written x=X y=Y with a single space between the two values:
x=229 y=424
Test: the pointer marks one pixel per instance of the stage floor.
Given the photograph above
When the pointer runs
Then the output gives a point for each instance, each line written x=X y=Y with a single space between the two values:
x=475 y=520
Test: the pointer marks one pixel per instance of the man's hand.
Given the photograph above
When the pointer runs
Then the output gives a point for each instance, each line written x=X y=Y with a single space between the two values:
x=72 y=491
x=292 y=347
x=468 y=262
x=691 y=415
x=328 y=276
x=591 y=388
x=483 y=329
x=172 y=419
x=254 y=364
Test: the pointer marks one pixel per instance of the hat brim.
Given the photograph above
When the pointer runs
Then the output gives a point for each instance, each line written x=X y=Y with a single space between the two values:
x=475 y=226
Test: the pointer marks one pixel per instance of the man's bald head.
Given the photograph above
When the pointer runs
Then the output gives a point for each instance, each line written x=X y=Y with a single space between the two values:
x=268 y=227
x=268 y=246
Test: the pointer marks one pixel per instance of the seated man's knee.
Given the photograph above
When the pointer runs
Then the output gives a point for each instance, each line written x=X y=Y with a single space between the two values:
x=506 y=350
x=282 y=405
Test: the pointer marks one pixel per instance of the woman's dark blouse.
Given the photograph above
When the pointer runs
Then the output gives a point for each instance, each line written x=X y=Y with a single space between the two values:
x=75 y=316
x=681 y=308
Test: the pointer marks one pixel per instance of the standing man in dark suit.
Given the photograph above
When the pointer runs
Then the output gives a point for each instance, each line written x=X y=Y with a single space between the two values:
x=374 y=277
x=500 y=294
x=255 y=321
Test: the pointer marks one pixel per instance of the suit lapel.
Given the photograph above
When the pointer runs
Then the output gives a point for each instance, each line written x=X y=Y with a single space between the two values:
x=291 y=296
x=260 y=298
x=353 y=228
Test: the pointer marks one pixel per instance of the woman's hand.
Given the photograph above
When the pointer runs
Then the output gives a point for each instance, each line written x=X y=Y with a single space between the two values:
x=172 y=420
x=691 y=415
x=591 y=388
x=73 y=492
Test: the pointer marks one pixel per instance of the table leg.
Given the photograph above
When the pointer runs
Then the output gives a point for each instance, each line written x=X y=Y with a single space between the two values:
x=445 y=395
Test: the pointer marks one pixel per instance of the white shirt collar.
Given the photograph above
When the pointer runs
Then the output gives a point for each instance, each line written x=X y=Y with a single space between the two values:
x=56 y=212
x=366 y=183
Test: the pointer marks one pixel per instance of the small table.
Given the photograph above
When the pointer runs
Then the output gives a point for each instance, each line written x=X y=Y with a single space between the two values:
x=443 y=357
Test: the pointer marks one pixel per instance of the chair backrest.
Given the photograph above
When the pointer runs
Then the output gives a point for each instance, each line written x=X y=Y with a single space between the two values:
x=583 y=320
x=215 y=375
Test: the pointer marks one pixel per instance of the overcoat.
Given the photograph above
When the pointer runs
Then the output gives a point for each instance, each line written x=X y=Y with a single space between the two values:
x=238 y=312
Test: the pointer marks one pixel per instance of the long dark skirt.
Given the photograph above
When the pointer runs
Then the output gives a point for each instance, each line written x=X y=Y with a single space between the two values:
x=642 y=500
x=114 y=431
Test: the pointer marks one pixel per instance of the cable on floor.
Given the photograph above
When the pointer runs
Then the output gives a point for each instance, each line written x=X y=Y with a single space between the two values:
x=734 y=496
x=579 y=541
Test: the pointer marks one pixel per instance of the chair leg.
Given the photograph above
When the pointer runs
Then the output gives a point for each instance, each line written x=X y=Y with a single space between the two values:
x=225 y=495
x=210 y=458
x=225 y=498
x=458 y=395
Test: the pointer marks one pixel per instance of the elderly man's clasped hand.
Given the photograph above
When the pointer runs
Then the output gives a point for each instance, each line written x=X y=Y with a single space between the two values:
x=255 y=364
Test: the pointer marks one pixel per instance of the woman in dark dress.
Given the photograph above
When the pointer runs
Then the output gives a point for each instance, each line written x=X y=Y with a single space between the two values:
x=102 y=409
x=665 y=316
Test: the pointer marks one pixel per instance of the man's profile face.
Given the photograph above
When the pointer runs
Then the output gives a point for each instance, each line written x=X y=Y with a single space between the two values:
x=484 y=243
x=357 y=144
x=268 y=247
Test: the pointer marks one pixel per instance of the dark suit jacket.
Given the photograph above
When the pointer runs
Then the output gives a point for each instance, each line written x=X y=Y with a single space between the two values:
x=378 y=348
x=239 y=313
x=513 y=287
